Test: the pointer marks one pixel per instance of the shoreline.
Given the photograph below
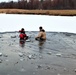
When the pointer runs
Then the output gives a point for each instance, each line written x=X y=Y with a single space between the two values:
x=40 y=12
x=37 y=31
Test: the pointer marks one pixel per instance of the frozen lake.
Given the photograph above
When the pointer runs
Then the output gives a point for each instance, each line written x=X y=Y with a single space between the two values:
x=14 y=22
x=55 y=56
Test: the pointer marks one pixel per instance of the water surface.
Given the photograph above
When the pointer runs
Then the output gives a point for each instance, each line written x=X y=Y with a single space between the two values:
x=55 y=56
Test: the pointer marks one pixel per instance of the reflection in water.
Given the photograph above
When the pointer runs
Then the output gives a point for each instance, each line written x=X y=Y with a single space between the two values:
x=22 y=43
x=41 y=46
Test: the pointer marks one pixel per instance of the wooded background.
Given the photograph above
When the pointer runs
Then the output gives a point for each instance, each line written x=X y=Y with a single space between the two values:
x=39 y=4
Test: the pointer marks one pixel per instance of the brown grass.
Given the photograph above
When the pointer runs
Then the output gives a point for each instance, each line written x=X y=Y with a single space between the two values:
x=42 y=12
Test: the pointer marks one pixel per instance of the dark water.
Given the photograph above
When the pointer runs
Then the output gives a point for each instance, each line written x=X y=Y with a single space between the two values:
x=55 y=56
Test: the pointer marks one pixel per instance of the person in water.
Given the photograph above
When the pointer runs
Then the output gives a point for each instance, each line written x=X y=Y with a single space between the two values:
x=22 y=30
x=41 y=28
x=22 y=35
x=42 y=35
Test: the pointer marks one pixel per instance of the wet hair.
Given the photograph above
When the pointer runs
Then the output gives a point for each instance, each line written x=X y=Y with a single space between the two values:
x=40 y=27
x=22 y=29
x=43 y=30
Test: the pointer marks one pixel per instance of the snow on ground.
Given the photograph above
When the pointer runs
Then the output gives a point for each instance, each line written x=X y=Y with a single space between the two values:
x=14 y=22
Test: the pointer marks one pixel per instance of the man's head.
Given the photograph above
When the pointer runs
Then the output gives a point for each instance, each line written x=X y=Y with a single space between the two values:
x=40 y=28
x=22 y=29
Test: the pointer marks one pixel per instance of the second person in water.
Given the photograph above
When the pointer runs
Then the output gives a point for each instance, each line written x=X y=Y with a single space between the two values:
x=22 y=35
x=42 y=34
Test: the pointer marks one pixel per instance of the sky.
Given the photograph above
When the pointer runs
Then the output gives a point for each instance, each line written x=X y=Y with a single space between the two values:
x=7 y=0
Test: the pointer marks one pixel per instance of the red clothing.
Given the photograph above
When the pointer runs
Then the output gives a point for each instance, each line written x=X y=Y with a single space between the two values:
x=22 y=36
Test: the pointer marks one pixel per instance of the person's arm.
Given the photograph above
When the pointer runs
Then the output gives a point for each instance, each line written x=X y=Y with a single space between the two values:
x=40 y=34
x=19 y=30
